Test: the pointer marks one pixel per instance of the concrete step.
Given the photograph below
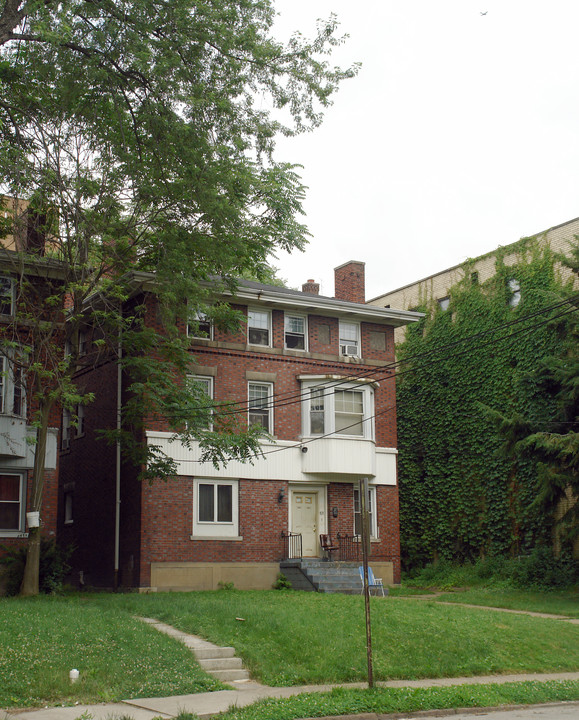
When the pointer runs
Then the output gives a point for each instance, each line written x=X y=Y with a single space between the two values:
x=213 y=653
x=230 y=663
x=230 y=675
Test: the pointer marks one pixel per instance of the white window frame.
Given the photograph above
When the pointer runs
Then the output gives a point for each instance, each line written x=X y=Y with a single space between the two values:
x=291 y=333
x=268 y=398
x=66 y=429
x=350 y=346
x=215 y=528
x=372 y=511
x=8 y=294
x=313 y=389
x=199 y=318
x=515 y=289
x=8 y=387
x=266 y=327
x=13 y=532
x=207 y=380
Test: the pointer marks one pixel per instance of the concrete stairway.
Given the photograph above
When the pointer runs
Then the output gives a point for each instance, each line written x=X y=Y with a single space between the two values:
x=323 y=576
x=217 y=661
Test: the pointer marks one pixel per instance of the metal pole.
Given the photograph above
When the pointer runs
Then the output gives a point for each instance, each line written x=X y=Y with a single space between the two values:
x=365 y=553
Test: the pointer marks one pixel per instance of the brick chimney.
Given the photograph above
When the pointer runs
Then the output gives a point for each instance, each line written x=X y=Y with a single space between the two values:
x=311 y=287
x=349 y=282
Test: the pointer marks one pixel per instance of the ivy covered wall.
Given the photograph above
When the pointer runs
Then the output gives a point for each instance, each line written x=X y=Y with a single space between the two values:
x=459 y=499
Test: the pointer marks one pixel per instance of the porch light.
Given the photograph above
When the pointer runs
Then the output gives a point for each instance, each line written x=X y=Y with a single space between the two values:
x=281 y=495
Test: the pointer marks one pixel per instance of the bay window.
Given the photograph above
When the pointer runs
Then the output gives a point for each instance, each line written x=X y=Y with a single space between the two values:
x=338 y=409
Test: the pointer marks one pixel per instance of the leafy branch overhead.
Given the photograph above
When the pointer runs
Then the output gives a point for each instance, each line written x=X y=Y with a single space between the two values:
x=139 y=137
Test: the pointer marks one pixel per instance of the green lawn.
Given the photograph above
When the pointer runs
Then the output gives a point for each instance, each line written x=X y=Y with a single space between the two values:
x=42 y=639
x=285 y=638
x=555 y=603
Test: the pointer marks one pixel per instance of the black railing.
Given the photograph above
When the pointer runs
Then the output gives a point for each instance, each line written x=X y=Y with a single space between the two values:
x=292 y=545
x=349 y=547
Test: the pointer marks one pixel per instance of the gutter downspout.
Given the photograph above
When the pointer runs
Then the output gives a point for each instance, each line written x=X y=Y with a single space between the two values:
x=118 y=460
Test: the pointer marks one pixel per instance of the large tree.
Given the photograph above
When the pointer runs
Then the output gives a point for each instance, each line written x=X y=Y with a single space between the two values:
x=142 y=133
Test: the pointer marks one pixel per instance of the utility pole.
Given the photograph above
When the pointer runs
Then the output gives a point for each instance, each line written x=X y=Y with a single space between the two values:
x=365 y=554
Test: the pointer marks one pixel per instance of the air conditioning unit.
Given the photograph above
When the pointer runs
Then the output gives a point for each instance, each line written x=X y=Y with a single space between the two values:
x=349 y=350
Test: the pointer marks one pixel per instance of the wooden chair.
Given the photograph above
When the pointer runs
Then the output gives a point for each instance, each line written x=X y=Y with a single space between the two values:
x=373 y=582
x=328 y=546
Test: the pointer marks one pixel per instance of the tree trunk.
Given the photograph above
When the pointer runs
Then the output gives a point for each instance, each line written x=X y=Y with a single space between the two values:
x=32 y=568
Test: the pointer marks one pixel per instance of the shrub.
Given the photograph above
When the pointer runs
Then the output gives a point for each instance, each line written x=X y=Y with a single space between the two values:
x=542 y=570
x=53 y=567
x=282 y=583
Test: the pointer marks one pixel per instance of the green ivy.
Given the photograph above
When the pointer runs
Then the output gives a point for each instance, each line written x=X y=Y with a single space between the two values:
x=459 y=498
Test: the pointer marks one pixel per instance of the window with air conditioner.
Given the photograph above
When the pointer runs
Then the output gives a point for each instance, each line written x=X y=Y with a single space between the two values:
x=349 y=339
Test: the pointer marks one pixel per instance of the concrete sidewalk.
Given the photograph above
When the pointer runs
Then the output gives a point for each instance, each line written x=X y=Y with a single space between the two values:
x=207 y=704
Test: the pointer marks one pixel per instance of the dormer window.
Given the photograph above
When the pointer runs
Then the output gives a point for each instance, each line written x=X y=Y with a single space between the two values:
x=349 y=339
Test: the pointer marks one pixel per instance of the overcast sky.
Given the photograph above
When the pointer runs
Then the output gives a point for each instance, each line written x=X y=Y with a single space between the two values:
x=460 y=133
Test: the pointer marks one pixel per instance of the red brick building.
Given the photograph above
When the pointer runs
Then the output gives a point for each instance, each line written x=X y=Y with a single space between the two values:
x=311 y=370
x=25 y=282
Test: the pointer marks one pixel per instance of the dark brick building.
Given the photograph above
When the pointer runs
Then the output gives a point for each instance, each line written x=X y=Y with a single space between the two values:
x=311 y=370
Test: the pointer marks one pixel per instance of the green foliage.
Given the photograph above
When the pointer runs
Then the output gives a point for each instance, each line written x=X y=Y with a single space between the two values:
x=282 y=583
x=461 y=498
x=539 y=570
x=226 y=585
x=53 y=567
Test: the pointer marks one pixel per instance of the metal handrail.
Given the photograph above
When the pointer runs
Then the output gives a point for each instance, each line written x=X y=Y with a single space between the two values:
x=349 y=547
x=292 y=545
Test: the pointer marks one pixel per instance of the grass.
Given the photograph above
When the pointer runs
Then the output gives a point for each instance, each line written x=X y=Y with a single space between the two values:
x=285 y=638
x=292 y=639
x=402 y=700
x=555 y=602
x=43 y=638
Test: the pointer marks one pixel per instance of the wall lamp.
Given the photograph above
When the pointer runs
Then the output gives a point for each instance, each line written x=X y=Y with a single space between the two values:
x=304 y=449
x=281 y=495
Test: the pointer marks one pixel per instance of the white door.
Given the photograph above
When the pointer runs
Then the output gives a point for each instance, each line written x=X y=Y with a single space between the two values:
x=305 y=521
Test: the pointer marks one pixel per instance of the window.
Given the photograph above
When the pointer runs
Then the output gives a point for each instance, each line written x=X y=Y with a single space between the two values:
x=12 y=395
x=515 y=289
x=65 y=429
x=205 y=384
x=349 y=339
x=6 y=296
x=295 y=332
x=79 y=420
x=82 y=343
x=200 y=326
x=11 y=505
x=443 y=303
x=258 y=328
x=344 y=411
x=215 y=508
x=474 y=277
x=349 y=412
x=68 y=506
x=371 y=512
x=260 y=396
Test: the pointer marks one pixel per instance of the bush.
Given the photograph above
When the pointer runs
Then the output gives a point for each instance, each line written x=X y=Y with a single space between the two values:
x=282 y=583
x=53 y=567
x=542 y=570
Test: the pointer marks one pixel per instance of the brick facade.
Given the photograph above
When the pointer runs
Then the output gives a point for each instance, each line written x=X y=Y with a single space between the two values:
x=158 y=520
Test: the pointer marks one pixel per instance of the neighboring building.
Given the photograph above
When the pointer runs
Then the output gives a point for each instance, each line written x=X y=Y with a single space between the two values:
x=24 y=280
x=437 y=287
x=314 y=372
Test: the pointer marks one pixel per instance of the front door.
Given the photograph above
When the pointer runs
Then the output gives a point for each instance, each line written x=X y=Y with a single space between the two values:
x=305 y=520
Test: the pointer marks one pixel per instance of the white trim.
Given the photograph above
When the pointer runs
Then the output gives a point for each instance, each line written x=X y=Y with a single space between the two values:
x=17 y=532
x=305 y=333
x=215 y=529
x=210 y=392
x=200 y=317
x=349 y=347
x=374 y=529
x=267 y=314
x=367 y=417
x=268 y=403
